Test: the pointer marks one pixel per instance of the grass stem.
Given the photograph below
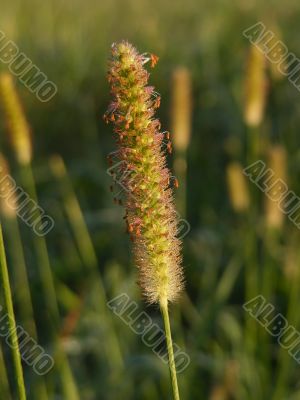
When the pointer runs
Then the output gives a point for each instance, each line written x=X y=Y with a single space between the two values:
x=11 y=321
x=165 y=314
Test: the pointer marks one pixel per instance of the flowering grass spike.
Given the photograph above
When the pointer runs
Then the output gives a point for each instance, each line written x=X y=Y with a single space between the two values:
x=150 y=213
x=18 y=127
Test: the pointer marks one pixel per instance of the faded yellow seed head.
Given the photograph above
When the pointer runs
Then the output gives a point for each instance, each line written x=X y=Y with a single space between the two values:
x=218 y=393
x=231 y=376
x=277 y=162
x=275 y=56
x=227 y=389
x=237 y=187
x=181 y=109
x=17 y=125
x=58 y=166
x=255 y=87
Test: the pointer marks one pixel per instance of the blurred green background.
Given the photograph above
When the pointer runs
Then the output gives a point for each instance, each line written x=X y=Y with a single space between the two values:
x=232 y=252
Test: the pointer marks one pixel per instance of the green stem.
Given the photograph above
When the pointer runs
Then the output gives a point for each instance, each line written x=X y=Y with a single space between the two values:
x=11 y=321
x=165 y=314
x=23 y=294
x=23 y=298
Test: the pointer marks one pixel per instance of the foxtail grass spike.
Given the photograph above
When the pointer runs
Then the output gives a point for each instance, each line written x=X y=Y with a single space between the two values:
x=181 y=108
x=181 y=117
x=277 y=163
x=17 y=125
x=255 y=87
x=150 y=213
x=237 y=187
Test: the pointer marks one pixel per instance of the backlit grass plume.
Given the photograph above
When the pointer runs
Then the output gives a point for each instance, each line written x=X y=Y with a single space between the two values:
x=181 y=113
x=237 y=187
x=181 y=123
x=150 y=213
x=18 y=127
x=255 y=87
x=277 y=160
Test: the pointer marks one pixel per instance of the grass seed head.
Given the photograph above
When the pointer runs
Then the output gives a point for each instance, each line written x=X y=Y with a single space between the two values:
x=237 y=187
x=150 y=214
x=18 y=127
x=277 y=163
x=181 y=108
x=255 y=87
